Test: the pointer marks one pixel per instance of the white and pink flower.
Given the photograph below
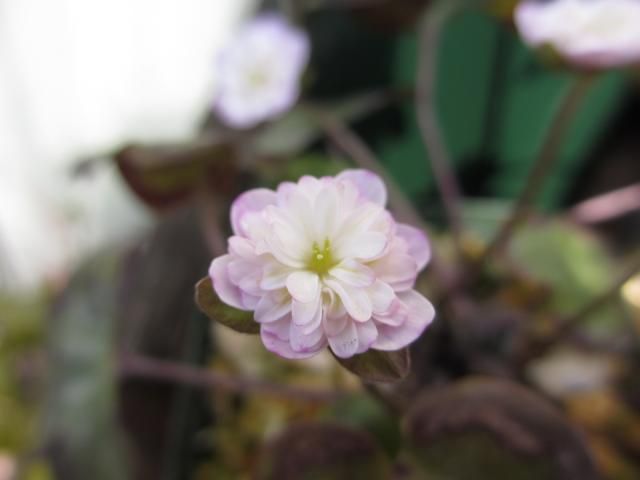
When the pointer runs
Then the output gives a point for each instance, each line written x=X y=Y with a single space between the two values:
x=322 y=262
x=259 y=73
x=587 y=33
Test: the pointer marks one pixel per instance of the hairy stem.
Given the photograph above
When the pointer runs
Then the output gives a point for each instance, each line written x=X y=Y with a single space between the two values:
x=430 y=34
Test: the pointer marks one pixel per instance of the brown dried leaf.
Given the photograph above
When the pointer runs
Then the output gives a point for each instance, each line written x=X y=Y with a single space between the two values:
x=379 y=366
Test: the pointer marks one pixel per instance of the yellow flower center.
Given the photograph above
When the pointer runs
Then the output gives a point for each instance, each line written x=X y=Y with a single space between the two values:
x=321 y=260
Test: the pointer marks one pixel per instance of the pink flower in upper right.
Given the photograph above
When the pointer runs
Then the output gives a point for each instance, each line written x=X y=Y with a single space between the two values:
x=593 y=34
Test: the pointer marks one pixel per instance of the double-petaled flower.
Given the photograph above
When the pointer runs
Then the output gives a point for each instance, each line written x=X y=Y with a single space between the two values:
x=259 y=73
x=591 y=34
x=322 y=262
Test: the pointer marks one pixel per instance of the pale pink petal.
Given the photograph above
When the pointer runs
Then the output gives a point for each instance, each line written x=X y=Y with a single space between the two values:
x=327 y=216
x=305 y=312
x=242 y=247
x=370 y=186
x=272 y=307
x=345 y=344
x=381 y=295
x=362 y=246
x=302 y=340
x=249 y=202
x=367 y=335
x=274 y=342
x=420 y=315
x=249 y=301
x=395 y=316
x=227 y=291
x=246 y=275
x=304 y=286
x=417 y=243
x=274 y=275
x=353 y=273
x=355 y=300
x=396 y=269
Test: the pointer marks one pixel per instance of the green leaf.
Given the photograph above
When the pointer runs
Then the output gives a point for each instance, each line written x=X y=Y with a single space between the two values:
x=379 y=366
x=495 y=101
x=218 y=311
x=319 y=451
x=574 y=264
x=484 y=428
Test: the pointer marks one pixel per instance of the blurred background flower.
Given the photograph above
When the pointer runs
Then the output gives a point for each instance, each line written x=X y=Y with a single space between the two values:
x=259 y=71
x=587 y=33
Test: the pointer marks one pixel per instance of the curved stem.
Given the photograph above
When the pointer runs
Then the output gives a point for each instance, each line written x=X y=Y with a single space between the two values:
x=568 y=325
x=543 y=165
x=439 y=158
x=132 y=365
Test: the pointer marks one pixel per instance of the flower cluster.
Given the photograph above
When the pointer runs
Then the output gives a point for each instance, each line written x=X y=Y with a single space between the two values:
x=587 y=33
x=259 y=73
x=322 y=262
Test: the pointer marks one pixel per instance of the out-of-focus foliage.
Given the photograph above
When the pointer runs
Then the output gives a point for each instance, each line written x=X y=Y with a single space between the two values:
x=80 y=421
x=498 y=430
x=496 y=101
x=322 y=451
x=22 y=367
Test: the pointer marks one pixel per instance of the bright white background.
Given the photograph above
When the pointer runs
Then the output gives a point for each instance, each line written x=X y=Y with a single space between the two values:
x=78 y=77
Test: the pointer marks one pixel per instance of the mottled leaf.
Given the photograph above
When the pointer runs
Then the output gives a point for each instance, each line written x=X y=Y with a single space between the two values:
x=379 y=366
x=319 y=451
x=81 y=432
x=211 y=305
x=484 y=428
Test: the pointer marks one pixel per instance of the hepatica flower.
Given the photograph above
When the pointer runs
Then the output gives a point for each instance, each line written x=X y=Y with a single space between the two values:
x=322 y=262
x=587 y=33
x=259 y=73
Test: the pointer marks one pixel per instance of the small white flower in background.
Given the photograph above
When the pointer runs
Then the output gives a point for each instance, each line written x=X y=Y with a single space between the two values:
x=587 y=33
x=322 y=262
x=259 y=73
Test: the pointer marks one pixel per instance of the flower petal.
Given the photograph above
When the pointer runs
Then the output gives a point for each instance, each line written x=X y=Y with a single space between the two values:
x=381 y=295
x=274 y=275
x=303 y=286
x=353 y=273
x=226 y=290
x=369 y=185
x=355 y=300
x=420 y=315
x=303 y=341
x=274 y=342
x=305 y=312
x=367 y=335
x=417 y=243
x=249 y=202
x=396 y=269
x=362 y=246
x=272 y=307
x=345 y=344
